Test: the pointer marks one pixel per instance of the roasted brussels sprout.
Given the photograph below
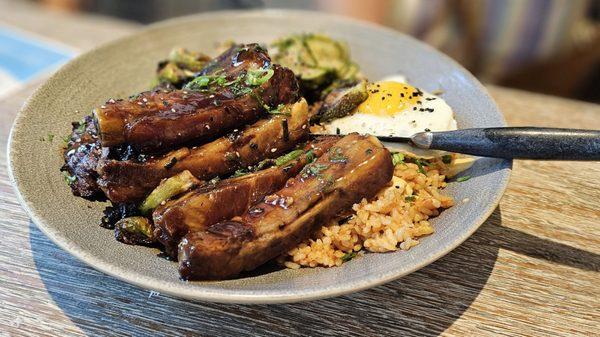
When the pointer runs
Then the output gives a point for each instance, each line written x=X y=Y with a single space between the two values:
x=341 y=101
x=135 y=230
x=180 y=67
x=317 y=60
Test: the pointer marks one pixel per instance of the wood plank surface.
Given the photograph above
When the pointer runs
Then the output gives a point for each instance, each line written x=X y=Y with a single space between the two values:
x=533 y=268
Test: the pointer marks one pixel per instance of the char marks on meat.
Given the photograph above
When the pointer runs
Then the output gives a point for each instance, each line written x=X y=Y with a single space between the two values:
x=355 y=167
x=200 y=208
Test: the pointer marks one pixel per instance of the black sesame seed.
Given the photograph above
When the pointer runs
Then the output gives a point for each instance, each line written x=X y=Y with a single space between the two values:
x=171 y=163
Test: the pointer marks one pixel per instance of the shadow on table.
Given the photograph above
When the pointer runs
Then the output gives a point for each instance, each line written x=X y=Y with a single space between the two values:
x=423 y=303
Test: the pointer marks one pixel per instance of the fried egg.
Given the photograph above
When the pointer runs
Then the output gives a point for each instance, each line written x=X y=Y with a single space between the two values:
x=396 y=108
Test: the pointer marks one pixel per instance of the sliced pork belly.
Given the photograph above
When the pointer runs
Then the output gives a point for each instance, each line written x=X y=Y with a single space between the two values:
x=355 y=167
x=158 y=120
x=200 y=208
x=130 y=181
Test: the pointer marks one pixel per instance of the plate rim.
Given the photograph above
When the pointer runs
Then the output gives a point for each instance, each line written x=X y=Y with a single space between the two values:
x=224 y=295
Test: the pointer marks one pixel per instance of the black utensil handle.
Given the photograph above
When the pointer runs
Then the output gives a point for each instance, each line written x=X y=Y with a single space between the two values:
x=521 y=143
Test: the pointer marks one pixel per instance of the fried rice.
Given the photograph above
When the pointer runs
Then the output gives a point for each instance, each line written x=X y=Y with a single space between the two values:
x=394 y=219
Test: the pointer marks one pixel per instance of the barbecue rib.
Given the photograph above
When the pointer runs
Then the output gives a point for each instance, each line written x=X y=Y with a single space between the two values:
x=128 y=181
x=355 y=167
x=200 y=208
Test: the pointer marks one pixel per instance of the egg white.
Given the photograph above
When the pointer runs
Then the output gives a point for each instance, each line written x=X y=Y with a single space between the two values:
x=433 y=114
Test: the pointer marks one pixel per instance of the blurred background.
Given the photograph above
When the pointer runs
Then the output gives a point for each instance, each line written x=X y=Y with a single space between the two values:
x=547 y=46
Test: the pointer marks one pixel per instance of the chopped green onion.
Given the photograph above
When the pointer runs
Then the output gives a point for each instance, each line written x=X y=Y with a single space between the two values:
x=167 y=189
x=288 y=157
x=313 y=169
x=464 y=178
x=310 y=156
x=239 y=173
x=421 y=164
x=410 y=198
x=397 y=158
x=279 y=110
x=200 y=81
x=348 y=256
x=214 y=181
x=204 y=82
x=256 y=77
x=336 y=155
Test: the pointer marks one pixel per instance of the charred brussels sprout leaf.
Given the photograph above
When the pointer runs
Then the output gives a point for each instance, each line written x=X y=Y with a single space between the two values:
x=134 y=230
x=342 y=101
x=317 y=60
x=180 y=67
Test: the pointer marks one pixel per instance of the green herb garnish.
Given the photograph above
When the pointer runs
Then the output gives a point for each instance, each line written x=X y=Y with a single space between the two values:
x=205 y=81
x=279 y=110
x=80 y=127
x=447 y=159
x=256 y=77
x=348 y=256
x=397 y=158
x=239 y=173
x=313 y=169
x=328 y=180
x=421 y=164
x=69 y=178
x=50 y=137
x=214 y=181
x=410 y=198
x=336 y=155
x=310 y=156
x=288 y=157
x=463 y=178
x=263 y=164
x=316 y=168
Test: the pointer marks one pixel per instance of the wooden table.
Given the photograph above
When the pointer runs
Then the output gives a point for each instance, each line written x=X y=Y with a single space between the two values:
x=532 y=269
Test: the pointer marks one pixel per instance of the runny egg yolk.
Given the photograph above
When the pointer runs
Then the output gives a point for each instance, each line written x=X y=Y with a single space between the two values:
x=387 y=98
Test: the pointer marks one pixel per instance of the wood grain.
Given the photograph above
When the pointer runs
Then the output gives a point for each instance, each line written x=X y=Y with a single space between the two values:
x=531 y=269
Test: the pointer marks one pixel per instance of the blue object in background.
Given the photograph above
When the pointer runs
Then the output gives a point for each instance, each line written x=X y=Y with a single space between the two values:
x=23 y=57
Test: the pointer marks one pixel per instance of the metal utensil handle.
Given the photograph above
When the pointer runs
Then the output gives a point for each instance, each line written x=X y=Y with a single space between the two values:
x=520 y=143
